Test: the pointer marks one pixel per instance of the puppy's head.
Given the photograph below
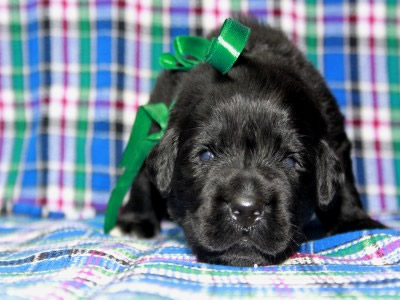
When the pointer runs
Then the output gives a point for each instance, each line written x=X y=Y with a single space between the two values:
x=243 y=163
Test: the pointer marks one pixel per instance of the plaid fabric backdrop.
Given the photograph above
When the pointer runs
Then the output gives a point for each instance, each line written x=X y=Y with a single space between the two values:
x=73 y=73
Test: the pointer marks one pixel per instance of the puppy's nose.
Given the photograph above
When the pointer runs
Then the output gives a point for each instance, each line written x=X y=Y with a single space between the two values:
x=245 y=210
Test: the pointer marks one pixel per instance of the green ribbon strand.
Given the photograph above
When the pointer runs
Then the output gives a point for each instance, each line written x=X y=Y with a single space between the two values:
x=225 y=49
x=139 y=145
x=221 y=52
x=189 y=51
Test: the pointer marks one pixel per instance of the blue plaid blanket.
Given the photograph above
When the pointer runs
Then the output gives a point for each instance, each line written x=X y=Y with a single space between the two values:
x=74 y=260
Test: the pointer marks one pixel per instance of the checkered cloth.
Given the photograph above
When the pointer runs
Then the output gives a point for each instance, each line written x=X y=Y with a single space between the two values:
x=73 y=73
x=75 y=260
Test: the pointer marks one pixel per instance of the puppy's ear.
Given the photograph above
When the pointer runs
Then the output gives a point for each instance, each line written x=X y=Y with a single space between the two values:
x=161 y=160
x=330 y=175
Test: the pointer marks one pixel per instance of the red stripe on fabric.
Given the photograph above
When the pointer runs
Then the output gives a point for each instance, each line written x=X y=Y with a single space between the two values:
x=295 y=17
x=375 y=123
x=216 y=12
x=120 y=104
x=121 y=4
x=42 y=201
x=377 y=145
x=198 y=10
x=138 y=29
x=276 y=12
x=63 y=104
x=194 y=10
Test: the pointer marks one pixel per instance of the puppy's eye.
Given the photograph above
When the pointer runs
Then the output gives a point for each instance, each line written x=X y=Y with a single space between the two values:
x=206 y=155
x=290 y=161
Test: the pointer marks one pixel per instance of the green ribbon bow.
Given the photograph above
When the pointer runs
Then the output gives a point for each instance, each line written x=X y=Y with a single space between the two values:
x=221 y=53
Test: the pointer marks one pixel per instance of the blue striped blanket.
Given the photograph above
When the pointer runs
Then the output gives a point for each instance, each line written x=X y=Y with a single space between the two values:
x=47 y=259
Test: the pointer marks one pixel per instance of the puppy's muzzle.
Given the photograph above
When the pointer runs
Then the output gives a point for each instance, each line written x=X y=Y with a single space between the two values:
x=245 y=210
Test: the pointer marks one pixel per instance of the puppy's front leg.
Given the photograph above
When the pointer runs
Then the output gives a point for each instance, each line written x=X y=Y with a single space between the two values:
x=142 y=214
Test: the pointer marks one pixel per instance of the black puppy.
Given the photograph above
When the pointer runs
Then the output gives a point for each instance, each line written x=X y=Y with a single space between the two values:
x=248 y=157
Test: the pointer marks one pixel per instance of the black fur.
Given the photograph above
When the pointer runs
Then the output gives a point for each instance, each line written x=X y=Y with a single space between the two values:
x=278 y=138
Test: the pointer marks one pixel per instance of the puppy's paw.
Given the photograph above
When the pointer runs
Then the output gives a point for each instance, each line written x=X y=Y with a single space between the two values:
x=136 y=225
x=116 y=231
